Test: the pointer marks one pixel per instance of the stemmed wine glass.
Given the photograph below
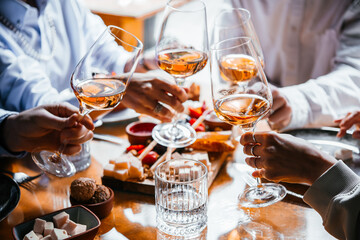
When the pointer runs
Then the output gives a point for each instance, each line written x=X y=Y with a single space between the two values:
x=241 y=97
x=99 y=82
x=236 y=22
x=181 y=51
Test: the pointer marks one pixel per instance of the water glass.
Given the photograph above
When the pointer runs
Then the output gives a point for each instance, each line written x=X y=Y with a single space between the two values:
x=81 y=160
x=181 y=192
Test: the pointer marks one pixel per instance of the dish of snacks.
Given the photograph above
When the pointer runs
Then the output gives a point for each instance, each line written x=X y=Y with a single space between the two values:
x=98 y=198
x=71 y=223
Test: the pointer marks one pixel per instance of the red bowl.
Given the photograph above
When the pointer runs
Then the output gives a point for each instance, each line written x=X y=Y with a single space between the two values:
x=139 y=132
x=101 y=209
x=78 y=214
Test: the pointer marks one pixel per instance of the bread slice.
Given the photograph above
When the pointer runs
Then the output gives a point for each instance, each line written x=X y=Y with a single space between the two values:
x=213 y=142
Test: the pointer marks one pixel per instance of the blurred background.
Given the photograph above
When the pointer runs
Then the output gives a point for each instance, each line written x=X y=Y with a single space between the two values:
x=142 y=17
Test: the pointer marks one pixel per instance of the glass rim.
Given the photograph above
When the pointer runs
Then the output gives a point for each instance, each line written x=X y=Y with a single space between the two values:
x=181 y=10
x=140 y=46
x=185 y=182
x=216 y=46
x=233 y=10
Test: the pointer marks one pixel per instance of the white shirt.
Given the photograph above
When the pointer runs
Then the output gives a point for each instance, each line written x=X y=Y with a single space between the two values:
x=335 y=195
x=312 y=49
x=26 y=82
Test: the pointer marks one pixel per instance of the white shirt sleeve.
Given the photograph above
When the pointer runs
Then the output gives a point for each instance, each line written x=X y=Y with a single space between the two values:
x=335 y=195
x=320 y=101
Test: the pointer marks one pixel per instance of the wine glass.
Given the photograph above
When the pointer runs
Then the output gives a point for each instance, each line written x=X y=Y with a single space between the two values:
x=181 y=51
x=236 y=22
x=241 y=97
x=99 y=82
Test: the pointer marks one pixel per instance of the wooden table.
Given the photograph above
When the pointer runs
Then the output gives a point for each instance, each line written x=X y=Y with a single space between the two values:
x=134 y=214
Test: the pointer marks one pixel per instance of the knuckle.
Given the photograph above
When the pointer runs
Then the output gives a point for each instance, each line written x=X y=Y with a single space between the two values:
x=270 y=149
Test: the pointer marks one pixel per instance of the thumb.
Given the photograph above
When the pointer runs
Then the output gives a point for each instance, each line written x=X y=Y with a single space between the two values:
x=54 y=122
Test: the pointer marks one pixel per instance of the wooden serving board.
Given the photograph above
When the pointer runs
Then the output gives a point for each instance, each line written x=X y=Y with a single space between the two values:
x=148 y=185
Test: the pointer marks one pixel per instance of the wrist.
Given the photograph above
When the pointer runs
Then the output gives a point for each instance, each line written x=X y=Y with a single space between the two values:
x=8 y=136
x=325 y=164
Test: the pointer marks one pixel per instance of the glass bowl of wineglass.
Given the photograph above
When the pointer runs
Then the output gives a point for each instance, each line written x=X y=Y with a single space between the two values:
x=181 y=51
x=241 y=97
x=99 y=82
x=236 y=22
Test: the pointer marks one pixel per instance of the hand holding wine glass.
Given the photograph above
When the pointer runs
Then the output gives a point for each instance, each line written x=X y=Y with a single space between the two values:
x=181 y=53
x=99 y=83
x=241 y=97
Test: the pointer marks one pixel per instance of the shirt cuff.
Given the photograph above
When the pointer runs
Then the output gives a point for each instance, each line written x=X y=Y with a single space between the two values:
x=3 y=151
x=299 y=105
x=336 y=180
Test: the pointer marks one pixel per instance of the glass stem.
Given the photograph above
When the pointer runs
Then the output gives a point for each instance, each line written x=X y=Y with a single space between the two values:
x=258 y=180
x=180 y=82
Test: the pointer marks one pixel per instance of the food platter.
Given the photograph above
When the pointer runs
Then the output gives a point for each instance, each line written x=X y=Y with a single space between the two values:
x=326 y=140
x=148 y=185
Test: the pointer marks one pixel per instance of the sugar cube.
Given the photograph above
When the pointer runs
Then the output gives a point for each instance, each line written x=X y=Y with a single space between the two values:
x=31 y=236
x=80 y=228
x=69 y=226
x=58 y=234
x=39 y=225
x=49 y=226
x=60 y=219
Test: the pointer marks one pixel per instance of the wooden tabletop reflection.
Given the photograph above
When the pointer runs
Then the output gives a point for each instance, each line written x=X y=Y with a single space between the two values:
x=134 y=214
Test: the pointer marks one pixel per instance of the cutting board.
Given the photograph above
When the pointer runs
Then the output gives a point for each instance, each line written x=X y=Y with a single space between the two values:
x=148 y=185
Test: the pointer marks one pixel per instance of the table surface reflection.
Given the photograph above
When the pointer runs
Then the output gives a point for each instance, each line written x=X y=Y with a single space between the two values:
x=134 y=214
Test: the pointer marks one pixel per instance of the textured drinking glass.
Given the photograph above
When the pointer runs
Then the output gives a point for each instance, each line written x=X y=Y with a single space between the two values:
x=181 y=192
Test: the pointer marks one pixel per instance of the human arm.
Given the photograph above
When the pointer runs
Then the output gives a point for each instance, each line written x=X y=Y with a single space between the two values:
x=334 y=190
x=321 y=100
x=46 y=127
x=146 y=90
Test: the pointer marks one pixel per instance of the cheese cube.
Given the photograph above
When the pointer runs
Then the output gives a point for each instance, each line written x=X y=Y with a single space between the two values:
x=109 y=170
x=31 y=236
x=184 y=174
x=60 y=219
x=123 y=162
x=49 y=226
x=80 y=228
x=69 y=226
x=58 y=234
x=39 y=225
x=201 y=157
x=195 y=172
x=136 y=170
x=176 y=155
x=121 y=175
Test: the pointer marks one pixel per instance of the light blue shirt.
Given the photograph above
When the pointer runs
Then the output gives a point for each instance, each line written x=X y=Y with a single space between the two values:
x=26 y=82
x=3 y=151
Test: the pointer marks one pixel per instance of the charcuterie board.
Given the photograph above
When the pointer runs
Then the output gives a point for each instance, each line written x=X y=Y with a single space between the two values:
x=148 y=185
